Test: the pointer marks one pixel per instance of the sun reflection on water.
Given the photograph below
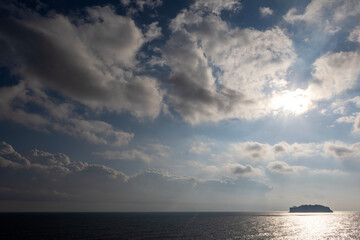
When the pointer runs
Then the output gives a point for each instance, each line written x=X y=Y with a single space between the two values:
x=319 y=226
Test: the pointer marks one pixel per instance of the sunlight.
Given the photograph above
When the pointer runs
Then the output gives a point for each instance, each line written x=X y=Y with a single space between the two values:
x=294 y=102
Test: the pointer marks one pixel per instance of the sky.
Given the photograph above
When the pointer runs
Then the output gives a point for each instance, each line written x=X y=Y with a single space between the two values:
x=179 y=105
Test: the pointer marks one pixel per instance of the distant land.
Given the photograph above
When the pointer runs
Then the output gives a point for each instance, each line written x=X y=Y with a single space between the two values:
x=310 y=208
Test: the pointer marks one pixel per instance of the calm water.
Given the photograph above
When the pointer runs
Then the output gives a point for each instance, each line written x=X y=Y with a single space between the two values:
x=269 y=225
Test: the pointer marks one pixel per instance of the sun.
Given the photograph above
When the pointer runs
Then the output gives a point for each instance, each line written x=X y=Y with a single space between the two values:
x=295 y=102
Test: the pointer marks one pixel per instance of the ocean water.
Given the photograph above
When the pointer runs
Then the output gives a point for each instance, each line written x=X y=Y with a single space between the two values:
x=266 y=225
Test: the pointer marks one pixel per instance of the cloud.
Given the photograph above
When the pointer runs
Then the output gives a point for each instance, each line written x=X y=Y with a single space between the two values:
x=146 y=154
x=139 y=5
x=98 y=72
x=45 y=158
x=216 y=6
x=8 y=152
x=258 y=152
x=327 y=15
x=255 y=150
x=200 y=147
x=96 y=55
x=354 y=36
x=284 y=168
x=334 y=73
x=341 y=150
x=55 y=115
x=16 y=94
x=219 y=72
x=346 y=119
x=97 y=132
x=153 y=31
x=242 y=170
x=47 y=178
x=211 y=169
x=125 y=155
x=357 y=124
x=279 y=148
x=266 y=11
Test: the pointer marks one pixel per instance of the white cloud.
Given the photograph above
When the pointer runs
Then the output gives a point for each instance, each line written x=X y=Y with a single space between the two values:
x=219 y=72
x=357 y=124
x=339 y=110
x=153 y=31
x=354 y=36
x=216 y=6
x=266 y=11
x=334 y=73
x=328 y=15
x=346 y=119
x=105 y=37
x=200 y=147
x=211 y=169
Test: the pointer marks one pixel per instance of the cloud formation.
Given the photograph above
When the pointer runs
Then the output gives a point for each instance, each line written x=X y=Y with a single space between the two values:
x=219 y=72
x=147 y=154
x=283 y=167
x=328 y=15
x=242 y=170
x=333 y=74
x=55 y=115
x=92 y=61
x=45 y=177
x=200 y=147
x=266 y=11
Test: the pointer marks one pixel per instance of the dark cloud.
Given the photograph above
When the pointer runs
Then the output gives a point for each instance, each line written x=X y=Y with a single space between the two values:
x=283 y=167
x=340 y=151
x=241 y=170
x=92 y=61
x=51 y=60
x=253 y=147
x=195 y=94
x=280 y=167
x=279 y=148
x=7 y=152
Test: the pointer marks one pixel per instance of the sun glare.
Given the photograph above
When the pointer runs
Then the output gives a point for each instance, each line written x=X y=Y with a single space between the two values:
x=295 y=102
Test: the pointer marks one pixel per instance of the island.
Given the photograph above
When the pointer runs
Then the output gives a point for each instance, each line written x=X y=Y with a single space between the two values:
x=310 y=208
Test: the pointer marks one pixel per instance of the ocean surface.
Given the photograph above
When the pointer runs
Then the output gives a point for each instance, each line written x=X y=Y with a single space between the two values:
x=265 y=225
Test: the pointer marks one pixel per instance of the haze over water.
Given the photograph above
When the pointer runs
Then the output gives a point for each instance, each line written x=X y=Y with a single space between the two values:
x=262 y=225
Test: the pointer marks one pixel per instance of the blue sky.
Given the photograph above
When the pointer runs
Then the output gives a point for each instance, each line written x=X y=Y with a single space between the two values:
x=156 y=105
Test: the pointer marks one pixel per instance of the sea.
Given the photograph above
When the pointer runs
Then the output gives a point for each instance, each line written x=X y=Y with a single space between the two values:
x=202 y=225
